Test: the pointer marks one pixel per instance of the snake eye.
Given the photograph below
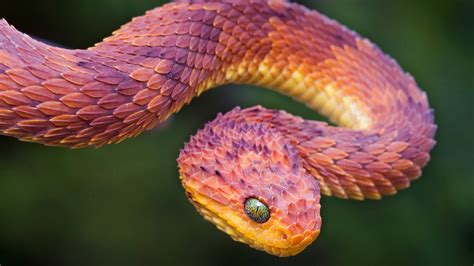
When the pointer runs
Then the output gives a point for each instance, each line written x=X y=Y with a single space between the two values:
x=257 y=210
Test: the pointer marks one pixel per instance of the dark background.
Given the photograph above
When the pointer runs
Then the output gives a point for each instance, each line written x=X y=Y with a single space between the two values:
x=123 y=204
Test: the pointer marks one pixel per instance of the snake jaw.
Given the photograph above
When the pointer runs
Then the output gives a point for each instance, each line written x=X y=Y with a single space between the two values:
x=227 y=162
x=276 y=237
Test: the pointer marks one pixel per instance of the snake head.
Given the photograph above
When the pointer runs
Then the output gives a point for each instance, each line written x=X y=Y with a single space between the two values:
x=248 y=180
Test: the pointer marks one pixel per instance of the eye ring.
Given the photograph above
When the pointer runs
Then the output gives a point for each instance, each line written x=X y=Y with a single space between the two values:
x=256 y=210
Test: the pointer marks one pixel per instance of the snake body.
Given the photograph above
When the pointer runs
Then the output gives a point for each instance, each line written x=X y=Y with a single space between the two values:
x=152 y=66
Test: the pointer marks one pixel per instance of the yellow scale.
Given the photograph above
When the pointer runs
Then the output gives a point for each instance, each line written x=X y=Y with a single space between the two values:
x=318 y=94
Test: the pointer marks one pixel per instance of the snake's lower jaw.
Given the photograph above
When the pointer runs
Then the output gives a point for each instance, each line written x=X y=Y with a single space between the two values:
x=274 y=237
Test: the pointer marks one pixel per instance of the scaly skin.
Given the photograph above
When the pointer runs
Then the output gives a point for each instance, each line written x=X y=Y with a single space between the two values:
x=155 y=64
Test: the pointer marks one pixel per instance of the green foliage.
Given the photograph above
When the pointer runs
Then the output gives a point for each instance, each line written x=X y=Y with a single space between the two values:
x=124 y=205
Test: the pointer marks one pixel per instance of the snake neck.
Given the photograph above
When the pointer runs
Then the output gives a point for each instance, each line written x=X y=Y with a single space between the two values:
x=315 y=60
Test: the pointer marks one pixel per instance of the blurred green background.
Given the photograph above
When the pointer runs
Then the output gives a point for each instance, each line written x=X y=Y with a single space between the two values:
x=123 y=204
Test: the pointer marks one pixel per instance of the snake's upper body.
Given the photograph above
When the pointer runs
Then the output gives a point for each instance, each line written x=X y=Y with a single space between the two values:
x=157 y=63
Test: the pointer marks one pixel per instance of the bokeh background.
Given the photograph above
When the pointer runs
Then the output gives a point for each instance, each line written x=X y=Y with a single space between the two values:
x=123 y=204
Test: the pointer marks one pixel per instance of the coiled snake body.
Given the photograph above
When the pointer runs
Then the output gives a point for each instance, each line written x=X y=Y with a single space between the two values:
x=257 y=174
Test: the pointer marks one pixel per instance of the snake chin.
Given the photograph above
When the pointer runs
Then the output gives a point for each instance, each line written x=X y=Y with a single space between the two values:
x=231 y=160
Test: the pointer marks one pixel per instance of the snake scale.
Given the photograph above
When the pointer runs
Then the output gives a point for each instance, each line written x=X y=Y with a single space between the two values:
x=257 y=174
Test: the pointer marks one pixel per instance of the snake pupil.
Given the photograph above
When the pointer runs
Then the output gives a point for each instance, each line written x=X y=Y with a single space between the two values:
x=256 y=210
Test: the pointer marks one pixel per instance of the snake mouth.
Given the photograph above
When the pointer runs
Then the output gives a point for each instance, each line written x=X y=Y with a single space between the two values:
x=274 y=237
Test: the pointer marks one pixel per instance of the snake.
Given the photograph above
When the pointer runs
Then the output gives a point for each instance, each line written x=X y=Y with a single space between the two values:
x=257 y=174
